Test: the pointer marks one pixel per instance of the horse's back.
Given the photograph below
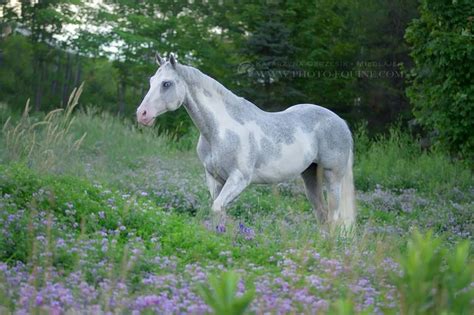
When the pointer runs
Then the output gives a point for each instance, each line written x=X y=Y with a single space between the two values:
x=316 y=112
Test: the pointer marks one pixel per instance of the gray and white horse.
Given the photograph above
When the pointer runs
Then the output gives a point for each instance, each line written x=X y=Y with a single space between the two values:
x=240 y=144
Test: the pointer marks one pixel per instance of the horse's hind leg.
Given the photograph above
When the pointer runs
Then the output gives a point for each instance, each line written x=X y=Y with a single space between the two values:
x=334 y=184
x=312 y=178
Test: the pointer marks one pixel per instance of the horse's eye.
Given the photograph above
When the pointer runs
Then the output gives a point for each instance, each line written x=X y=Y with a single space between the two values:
x=166 y=84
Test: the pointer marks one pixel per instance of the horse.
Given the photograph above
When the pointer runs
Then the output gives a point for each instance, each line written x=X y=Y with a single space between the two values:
x=240 y=144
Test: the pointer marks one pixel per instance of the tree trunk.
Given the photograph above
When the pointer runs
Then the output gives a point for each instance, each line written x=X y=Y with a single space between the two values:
x=121 y=96
x=39 y=78
x=67 y=76
x=77 y=79
x=57 y=73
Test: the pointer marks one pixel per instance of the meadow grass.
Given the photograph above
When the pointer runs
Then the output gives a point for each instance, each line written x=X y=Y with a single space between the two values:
x=396 y=161
x=119 y=220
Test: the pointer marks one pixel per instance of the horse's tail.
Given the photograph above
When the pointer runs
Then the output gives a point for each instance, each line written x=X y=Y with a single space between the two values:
x=347 y=202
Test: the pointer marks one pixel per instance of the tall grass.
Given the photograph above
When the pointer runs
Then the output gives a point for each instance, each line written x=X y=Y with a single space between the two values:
x=80 y=140
x=396 y=161
x=43 y=142
x=114 y=144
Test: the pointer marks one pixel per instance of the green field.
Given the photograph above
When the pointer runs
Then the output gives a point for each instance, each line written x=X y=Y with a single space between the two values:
x=98 y=215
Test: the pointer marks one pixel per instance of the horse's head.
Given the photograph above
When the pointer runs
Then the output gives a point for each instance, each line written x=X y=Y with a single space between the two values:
x=167 y=92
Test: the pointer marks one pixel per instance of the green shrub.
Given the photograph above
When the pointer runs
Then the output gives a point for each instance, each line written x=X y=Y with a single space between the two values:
x=222 y=297
x=347 y=307
x=435 y=279
x=396 y=161
x=441 y=89
x=84 y=208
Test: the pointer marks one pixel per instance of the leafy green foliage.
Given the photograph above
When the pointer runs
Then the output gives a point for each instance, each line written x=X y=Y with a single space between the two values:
x=396 y=161
x=435 y=279
x=16 y=74
x=271 y=62
x=299 y=52
x=19 y=82
x=441 y=89
x=346 y=307
x=85 y=209
x=221 y=295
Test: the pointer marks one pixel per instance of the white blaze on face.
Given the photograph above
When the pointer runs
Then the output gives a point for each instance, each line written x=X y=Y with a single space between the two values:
x=166 y=93
x=146 y=112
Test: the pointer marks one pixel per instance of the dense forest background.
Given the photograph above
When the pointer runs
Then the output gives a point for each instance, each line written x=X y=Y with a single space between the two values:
x=374 y=61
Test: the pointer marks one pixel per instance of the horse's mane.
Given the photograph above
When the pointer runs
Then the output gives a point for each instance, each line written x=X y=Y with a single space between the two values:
x=196 y=77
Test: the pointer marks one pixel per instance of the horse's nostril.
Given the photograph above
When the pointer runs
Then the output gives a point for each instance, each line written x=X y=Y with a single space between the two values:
x=144 y=113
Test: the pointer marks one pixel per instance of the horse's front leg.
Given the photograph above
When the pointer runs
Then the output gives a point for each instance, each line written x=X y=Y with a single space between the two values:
x=214 y=185
x=233 y=186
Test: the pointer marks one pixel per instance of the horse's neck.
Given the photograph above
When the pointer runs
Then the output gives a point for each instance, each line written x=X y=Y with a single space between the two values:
x=200 y=114
x=208 y=104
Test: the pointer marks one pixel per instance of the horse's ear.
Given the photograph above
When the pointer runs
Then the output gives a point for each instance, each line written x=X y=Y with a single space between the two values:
x=159 y=60
x=172 y=59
